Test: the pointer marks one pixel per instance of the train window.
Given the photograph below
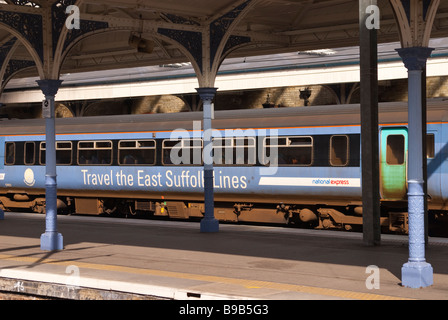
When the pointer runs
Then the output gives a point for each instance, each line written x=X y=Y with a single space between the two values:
x=137 y=152
x=63 y=153
x=10 y=153
x=291 y=151
x=234 y=151
x=395 y=149
x=339 y=150
x=182 y=152
x=30 y=153
x=430 y=146
x=95 y=152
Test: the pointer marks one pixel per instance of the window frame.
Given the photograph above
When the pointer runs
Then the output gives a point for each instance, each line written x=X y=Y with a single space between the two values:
x=14 y=153
x=347 y=151
x=136 y=147
x=251 y=148
x=58 y=148
x=431 y=145
x=288 y=145
x=95 y=148
x=33 y=143
x=182 y=140
x=388 y=153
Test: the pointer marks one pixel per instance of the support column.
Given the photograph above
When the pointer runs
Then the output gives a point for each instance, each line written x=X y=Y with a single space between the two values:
x=208 y=223
x=416 y=273
x=424 y=155
x=51 y=239
x=369 y=126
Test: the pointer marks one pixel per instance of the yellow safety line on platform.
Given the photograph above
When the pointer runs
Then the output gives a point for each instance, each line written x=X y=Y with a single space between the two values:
x=249 y=284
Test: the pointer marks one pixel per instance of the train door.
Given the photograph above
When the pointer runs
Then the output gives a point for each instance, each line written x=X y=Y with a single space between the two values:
x=393 y=163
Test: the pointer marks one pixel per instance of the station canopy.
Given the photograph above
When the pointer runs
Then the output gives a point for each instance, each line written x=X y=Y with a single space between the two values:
x=138 y=31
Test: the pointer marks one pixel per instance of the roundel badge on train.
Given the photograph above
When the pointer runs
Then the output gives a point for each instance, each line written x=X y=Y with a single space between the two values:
x=29 y=177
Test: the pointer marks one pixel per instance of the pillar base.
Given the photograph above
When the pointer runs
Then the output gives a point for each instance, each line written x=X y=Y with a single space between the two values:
x=209 y=225
x=416 y=275
x=50 y=241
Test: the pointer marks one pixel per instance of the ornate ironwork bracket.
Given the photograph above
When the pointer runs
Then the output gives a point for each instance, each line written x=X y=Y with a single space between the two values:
x=215 y=38
x=26 y=25
x=59 y=16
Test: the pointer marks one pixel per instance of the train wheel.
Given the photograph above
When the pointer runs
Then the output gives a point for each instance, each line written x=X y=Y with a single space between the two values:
x=131 y=209
x=327 y=223
x=111 y=207
x=125 y=208
x=39 y=209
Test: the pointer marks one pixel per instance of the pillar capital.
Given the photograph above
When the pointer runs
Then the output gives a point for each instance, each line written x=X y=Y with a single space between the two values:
x=415 y=58
x=207 y=93
x=49 y=87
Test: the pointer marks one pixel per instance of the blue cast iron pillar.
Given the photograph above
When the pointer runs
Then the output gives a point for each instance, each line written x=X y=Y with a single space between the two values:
x=416 y=273
x=208 y=223
x=50 y=240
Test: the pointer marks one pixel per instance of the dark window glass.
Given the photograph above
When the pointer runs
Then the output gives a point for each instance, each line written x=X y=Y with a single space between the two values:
x=430 y=146
x=182 y=152
x=95 y=153
x=10 y=153
x=339 y=150
x=395 y=149
x=63 y=152
x=291 y=151
x=137 y=152
x=30 y=152
x=234 y=151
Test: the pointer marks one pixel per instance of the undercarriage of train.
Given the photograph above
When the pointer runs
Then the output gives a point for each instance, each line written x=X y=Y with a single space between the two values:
x=309 y=216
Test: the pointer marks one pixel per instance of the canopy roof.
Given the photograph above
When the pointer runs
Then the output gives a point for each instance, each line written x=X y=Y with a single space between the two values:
x=131 y=33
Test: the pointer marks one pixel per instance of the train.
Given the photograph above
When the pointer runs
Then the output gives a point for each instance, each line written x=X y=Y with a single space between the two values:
x=295 y=166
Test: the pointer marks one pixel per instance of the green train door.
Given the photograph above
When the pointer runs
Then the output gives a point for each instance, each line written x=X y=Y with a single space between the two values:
x=393 y=163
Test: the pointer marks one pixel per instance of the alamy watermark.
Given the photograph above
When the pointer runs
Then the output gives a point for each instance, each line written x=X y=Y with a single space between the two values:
x=373 y=20
x=227 y=147
x=73 y=280
x=373 y=280
x=73 y=21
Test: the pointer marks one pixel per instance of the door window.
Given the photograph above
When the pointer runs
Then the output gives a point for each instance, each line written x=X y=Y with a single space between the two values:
x=395 y=149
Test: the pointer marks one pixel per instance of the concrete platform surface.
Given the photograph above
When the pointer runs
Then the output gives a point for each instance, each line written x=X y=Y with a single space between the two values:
x=111 y=258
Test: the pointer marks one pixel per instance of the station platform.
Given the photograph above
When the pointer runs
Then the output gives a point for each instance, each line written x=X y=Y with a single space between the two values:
x=113 y=259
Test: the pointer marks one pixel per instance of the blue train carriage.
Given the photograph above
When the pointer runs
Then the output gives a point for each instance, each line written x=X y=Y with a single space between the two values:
x=287 y=165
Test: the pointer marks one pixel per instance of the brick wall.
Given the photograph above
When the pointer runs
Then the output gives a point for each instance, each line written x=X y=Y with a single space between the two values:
x=159 y=104
x=392 y=90
x=280 y=97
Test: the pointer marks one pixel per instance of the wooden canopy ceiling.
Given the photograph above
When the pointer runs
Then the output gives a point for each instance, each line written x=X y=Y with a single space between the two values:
x=131 y=33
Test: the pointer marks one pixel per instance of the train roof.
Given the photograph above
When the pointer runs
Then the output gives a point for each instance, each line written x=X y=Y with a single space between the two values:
x=330 y=115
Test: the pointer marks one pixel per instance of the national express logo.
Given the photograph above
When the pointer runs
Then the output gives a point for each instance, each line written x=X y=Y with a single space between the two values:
x=29 y=177
x=333 y=182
